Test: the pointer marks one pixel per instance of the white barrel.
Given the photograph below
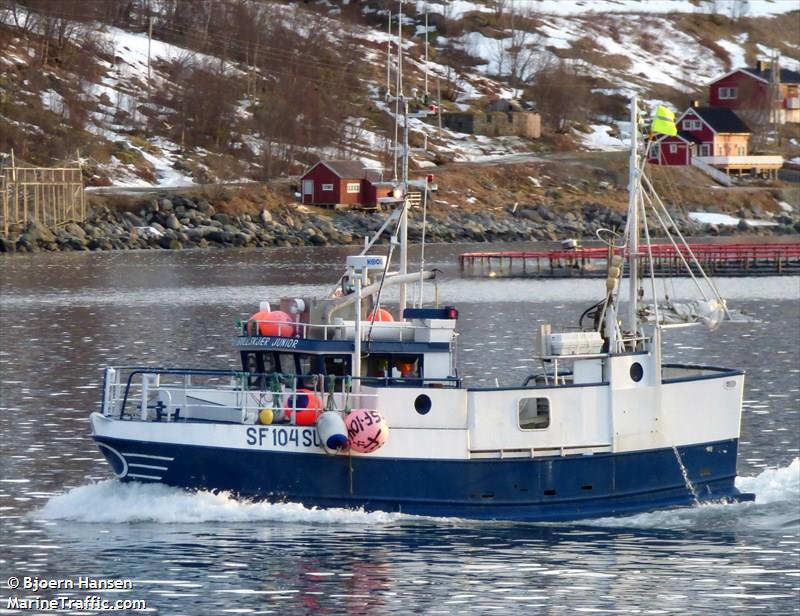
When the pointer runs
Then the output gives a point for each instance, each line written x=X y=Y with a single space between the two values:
x=332 y=431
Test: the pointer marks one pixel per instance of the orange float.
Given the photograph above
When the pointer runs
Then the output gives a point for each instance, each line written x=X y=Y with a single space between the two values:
x=306 y=405
x=276 y=323
x=380 y=315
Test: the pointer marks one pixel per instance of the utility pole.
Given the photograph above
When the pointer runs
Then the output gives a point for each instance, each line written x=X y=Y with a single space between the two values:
x=149 y=40
x=426 y=53
x=439 y=103
x=774 y=93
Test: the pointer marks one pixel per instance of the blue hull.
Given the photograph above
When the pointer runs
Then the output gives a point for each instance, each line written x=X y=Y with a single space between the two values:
x=556 y=488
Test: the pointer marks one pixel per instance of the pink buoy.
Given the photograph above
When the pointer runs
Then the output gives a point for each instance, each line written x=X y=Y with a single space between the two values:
x=367 y=430
x=276 y=323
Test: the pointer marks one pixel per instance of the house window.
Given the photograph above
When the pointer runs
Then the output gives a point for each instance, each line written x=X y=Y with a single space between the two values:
x=354 y=187
x=673 y=148
x=654 y=153
x=327 y=187
x=727 y=93
x=741 y=150
x=534 y=413
x=692 y=125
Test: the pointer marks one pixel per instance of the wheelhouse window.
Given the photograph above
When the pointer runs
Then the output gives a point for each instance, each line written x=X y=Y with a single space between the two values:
x=395 y=367
x=286 y=363
x=268 y=364
x=337 y=365
x=406 y=366
x=534 y=413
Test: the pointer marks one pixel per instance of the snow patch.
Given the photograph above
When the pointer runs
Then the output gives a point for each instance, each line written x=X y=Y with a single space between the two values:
x=711 y=218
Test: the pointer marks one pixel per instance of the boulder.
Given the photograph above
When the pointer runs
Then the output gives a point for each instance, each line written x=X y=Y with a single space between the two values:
x=76 y=230
x=172 y=222
x=37 y=232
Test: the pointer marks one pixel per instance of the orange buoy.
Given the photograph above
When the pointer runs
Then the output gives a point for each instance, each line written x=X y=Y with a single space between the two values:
x=380 y=315
x=307 y=407
x=276 y=323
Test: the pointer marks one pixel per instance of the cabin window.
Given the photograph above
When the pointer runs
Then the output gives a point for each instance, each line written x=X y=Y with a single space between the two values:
x=286 y=363
x=268 y=362
x=327 y=187
x=727 y=93
x=534 y=413
x=305 y=364
x=251 y=362
x=378 y=365
x=338 y=365
x=405 y=366
x=353 y=187
x=394 y=366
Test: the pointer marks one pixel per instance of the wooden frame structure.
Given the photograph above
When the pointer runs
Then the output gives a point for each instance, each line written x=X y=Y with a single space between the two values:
x=51 y=196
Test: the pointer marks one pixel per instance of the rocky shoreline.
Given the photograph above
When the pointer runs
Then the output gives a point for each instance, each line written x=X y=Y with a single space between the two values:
x=191 y=222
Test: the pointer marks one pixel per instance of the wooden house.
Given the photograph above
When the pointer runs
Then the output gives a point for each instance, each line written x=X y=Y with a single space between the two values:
x=713 y=136
x=749 y=88
x=343 y=182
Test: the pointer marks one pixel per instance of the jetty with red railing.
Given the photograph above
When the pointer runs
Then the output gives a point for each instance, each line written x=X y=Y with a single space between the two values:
x=766 y=259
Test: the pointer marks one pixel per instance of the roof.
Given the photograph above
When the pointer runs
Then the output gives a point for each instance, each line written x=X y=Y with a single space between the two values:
x=786 y=76
x=721 y=119
x=686 y=136
x=345 y=169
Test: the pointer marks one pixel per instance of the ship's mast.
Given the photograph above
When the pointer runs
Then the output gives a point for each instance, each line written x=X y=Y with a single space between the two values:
x=633 y=224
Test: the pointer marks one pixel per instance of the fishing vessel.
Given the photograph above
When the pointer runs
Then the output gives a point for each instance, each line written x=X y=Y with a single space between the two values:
x=353 y=401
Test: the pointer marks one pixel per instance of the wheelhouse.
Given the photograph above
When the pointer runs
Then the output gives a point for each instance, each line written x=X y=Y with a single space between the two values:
x=418 y=350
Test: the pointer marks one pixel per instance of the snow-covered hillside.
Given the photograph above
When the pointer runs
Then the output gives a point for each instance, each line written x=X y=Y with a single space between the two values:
x=665 y=50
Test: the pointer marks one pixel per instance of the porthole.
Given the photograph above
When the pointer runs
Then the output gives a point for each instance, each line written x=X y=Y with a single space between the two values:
x=637 y=372
x=422 y=404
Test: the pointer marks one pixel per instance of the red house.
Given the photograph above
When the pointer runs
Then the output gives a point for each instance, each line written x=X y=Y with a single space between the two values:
x=749 y=88
x=702 y=132
x=343 y=182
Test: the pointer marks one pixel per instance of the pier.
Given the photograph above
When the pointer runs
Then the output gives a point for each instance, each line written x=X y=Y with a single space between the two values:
x=716 y=259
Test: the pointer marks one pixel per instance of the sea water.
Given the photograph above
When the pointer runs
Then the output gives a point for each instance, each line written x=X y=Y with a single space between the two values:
x=65 y=316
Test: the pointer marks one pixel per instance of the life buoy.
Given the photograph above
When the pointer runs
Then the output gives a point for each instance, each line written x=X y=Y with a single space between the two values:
x=307 y=407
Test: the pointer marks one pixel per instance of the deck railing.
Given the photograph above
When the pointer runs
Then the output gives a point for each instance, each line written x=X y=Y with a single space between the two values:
x=229 y=396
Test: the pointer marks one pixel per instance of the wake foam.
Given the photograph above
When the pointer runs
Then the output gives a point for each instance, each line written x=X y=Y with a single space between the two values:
x=113 y=502
x=777 y=493
x=774 y=484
